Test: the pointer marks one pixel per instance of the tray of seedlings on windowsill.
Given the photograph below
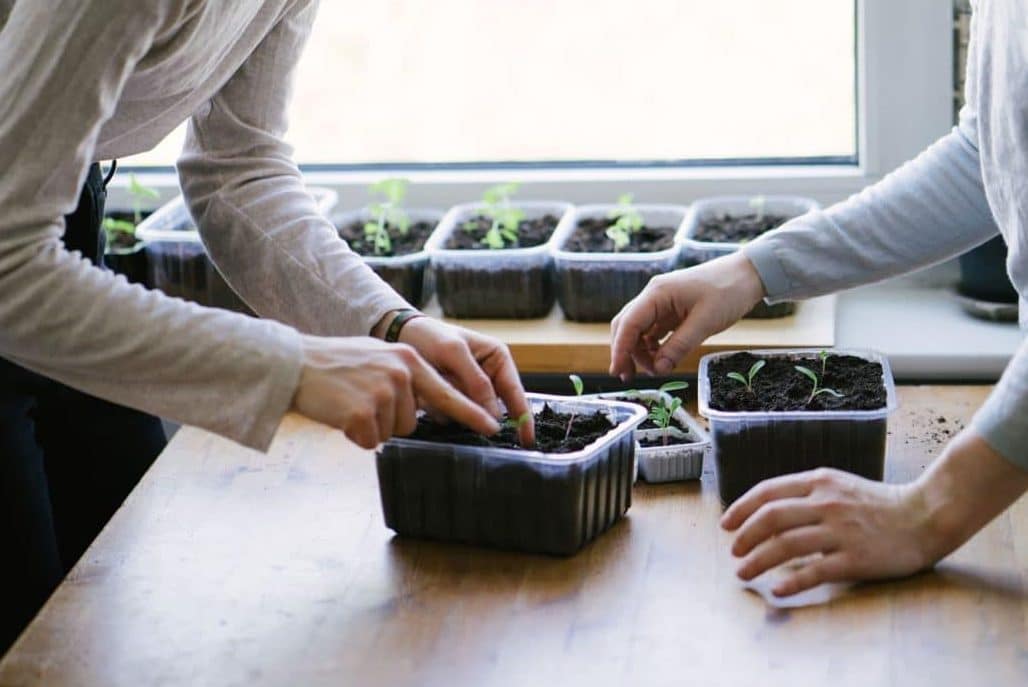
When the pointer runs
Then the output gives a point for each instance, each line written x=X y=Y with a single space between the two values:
x=178 y=263
x=776 y=412
x=391 y=239
x=722 y=225
x=491 y=259
x=606 y=254
x=124 y=252
x=672 y=444
x=444 y=482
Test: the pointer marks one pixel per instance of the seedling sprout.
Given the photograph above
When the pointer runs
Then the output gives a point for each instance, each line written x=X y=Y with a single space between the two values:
x=823 y=355
x=386 y=212
x=747 y=381
x=759 y=205
x=818 y=389
x=627 y=221
x=140 y=193
x=579 y=387
x=506 y=220
x=663 y=411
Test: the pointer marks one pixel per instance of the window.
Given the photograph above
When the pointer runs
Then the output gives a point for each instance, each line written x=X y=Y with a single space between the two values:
x=572 y=81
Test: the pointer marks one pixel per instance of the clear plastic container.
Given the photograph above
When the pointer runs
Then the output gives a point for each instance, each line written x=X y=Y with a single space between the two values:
x=178 y=263
x=593 y=287
x=519 y=500
x=750 y=447
x=511 y=283
x=695 y=252
x=409 y=275
x=676 y=462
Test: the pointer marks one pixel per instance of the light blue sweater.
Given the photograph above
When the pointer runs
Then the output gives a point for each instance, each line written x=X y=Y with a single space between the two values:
x=958 y=193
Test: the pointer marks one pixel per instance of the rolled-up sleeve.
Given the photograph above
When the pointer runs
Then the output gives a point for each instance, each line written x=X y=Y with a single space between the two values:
x=257 y=220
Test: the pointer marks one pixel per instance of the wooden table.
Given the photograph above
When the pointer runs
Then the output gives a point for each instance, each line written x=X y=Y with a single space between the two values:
x=227 y=567
x=555 y=345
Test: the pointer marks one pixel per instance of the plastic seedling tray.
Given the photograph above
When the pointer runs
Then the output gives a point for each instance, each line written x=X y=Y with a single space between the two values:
x=750 y=447
x=503 y=498
x=695 y=251
x=409 y=274
x=508 y=283
x=675 y=462
x=178 y=263
x=130 y=262
x=593 y=287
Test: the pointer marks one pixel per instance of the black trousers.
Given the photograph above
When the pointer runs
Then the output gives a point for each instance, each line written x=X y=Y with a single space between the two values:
x=67 y=460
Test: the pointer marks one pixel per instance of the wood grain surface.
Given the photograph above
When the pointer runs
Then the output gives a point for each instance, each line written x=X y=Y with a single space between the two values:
x=553 y=344
x=228 y=567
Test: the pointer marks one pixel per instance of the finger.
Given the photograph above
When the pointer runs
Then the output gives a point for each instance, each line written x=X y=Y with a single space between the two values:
x=499 y=366
x=772 y=519
x=786 y=486
x=385 y=416
x=694 y=330
x=791 y=544
x=627 y=329
x=406 y=420
x=469 y=376
x=446 y=399
x=831 y=568
x=363 y=432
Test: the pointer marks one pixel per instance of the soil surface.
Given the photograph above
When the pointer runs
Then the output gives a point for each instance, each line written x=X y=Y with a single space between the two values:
x=727 y=228
x=403 y=244
x=531 y=232
x=550 y=430
x=590 y=236
x=778 y=386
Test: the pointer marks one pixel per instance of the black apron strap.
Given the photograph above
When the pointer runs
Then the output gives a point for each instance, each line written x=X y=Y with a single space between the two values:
x=83 y=229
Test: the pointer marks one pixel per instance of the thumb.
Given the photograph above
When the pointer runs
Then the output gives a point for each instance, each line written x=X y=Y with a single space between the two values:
x=694 y=330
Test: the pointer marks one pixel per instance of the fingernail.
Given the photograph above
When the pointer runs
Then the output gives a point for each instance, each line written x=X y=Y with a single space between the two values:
x=664 y=366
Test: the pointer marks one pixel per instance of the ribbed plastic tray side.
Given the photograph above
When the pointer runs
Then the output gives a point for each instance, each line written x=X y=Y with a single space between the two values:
x=750 y=447
x=509 y=283
x=593 y=287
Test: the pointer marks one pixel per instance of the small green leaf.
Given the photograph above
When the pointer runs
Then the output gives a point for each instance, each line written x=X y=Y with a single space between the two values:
x=119 y=225
x=806 y=371
x=674 y=386
x=141 y=192
x=738 y=378
x=675 y=405
x=576 y=382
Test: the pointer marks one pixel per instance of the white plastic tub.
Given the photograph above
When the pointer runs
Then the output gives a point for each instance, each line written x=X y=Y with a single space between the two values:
x=508 y=499
x=178 y=263
x=513 y=283
x=675 y=462
x=750 y=447
x=593 y=287
x=409 y=274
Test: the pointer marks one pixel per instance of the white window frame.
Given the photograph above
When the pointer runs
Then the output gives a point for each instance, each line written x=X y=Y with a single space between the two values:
x=904 y=102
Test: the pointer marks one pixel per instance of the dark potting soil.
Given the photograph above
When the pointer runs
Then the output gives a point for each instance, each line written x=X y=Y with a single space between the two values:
x=672 y=440
x=590 y=236
x=727 y=228
x=779 y=387
x=551 y=428
x=403 y=244
x=531 y=232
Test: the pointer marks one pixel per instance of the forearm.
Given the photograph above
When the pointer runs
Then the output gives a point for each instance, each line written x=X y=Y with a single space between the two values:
x=931 y=209
x=968 y=486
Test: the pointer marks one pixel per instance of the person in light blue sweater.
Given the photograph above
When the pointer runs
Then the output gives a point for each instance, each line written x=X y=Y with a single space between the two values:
x=960 y=192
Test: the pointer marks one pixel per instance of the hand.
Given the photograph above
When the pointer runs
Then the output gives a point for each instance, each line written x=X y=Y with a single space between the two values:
x=478 y=365
x=368 y=389
x=864 y=529
x=691 y=305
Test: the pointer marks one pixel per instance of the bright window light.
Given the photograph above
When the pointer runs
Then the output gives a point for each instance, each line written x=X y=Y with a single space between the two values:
x=457 y=81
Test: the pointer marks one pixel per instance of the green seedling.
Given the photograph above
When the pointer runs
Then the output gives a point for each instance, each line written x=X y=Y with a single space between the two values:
x=747 y=381
x=818 y=389
x=385 y=212
x=506 y=220
x=627 y=221
x=140 y=193
x=576 y=383
x=823 y=355
x=662 y=412
x=518 y=422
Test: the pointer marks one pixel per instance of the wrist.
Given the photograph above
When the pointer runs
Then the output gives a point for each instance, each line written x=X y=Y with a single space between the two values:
x=393 y=322
x=748 y=279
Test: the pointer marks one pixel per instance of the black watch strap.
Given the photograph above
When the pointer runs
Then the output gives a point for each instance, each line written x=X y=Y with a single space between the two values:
x=401 y=318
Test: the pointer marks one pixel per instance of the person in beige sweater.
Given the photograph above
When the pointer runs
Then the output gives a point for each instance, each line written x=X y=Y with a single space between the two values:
x=85 y=357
